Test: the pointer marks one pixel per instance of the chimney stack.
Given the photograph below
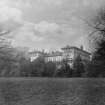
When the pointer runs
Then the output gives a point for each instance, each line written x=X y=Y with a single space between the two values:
x=81 y=47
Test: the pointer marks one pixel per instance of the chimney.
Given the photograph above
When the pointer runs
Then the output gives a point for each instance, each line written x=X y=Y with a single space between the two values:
x=81 y=47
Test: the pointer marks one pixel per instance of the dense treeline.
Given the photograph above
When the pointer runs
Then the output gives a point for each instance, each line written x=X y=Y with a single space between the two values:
x=40 y=68
x=15 y=64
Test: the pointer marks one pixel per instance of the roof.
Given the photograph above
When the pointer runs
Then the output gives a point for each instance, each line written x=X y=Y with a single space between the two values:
x=54 y=54
x=73 y=47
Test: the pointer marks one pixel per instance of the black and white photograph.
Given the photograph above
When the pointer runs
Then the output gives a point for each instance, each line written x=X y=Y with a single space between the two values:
x=52 y=52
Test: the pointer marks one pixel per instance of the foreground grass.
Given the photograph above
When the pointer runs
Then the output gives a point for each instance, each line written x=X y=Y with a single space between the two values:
x=47 y=91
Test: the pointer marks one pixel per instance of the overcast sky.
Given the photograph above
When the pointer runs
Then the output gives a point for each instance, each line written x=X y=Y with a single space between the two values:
x=48 y=24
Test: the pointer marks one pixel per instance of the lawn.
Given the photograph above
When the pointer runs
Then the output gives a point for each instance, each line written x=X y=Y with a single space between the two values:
x=52 y=91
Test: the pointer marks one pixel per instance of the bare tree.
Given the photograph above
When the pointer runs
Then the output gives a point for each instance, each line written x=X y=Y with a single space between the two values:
x=98 y=26
x=6 y=53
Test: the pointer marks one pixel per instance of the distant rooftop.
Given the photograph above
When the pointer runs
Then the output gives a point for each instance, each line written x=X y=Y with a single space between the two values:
x=54 y=54
x=73 y=47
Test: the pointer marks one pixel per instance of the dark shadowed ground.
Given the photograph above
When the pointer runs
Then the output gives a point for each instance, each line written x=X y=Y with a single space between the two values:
x=47 y=91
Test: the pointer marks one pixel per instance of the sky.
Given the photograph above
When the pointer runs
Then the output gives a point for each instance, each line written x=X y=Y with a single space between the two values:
x=48 y=24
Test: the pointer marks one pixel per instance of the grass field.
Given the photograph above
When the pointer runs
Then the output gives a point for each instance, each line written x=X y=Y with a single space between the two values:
x=47 y=91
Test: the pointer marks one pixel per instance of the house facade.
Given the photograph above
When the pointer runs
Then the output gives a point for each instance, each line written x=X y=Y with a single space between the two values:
x=54 y=57
x=70 y=53
x=34 y=55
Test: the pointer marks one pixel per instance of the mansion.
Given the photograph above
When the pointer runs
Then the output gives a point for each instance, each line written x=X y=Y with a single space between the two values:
x=68 y=53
